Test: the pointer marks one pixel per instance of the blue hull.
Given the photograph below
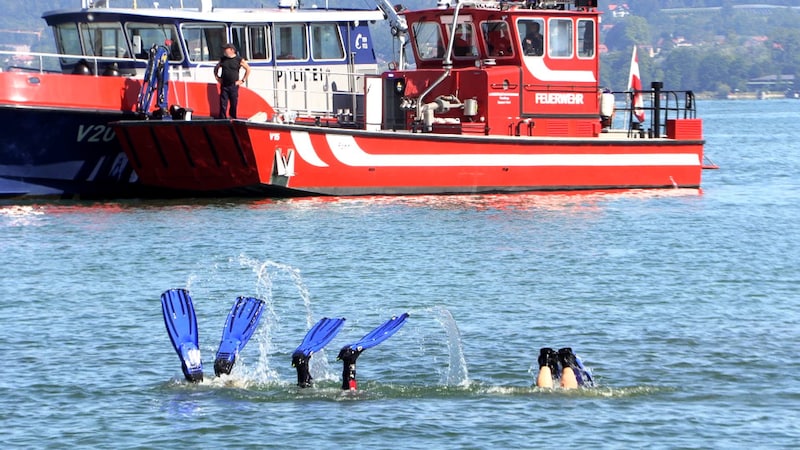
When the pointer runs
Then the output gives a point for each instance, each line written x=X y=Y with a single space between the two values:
x=63 y=153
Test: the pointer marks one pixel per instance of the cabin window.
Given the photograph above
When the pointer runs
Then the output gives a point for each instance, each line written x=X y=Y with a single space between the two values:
x=497 y=38
x=560 y=38
x=104 y=39
x=67 y=39
x=259 y=42
x=586 y=38
x=464 y=44
x=251 y=41
x=204 y=42
x=290 y=41
x=428 y=39
x=239 y=40
x=144 y=35
x=531 y=35
x=326 y=43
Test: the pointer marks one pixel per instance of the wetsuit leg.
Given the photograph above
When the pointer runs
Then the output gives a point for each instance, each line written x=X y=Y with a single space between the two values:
x=301 y=363
x=568 y=366
x=548 y=367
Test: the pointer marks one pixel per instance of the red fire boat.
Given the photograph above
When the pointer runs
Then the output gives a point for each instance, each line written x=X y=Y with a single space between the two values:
x=502 y=97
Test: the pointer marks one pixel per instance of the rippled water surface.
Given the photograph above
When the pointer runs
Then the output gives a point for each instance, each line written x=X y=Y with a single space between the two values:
x=684 y=303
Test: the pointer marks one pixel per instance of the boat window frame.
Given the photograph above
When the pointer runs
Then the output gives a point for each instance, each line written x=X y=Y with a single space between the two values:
x=523 y=22
x=426 y=46
x=311 y=39
x=212 y=44
x=249 y=53
x=92 y=33
x=487 y=34
x=555 y=38
x=176 y=54
x=75 y=40
x=581 y=41
x=278 y=41
x=239 y=39
x=469 y=25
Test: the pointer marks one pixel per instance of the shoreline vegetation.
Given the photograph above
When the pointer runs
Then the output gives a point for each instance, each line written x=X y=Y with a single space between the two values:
x=747 y=95
x=718 y=48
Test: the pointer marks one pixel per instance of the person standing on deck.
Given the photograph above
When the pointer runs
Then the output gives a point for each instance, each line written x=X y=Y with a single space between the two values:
x=227 y=74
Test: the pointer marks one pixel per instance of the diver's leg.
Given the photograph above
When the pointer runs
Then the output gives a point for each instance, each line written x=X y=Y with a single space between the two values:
x=301 y=363
x=349 y=357
x=547 y=361
x=567 y=360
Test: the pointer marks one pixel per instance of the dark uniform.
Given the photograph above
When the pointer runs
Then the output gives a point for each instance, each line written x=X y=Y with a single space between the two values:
x=229 y=90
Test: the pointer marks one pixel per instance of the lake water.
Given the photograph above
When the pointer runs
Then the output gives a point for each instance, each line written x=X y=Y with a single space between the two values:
x=684 y=303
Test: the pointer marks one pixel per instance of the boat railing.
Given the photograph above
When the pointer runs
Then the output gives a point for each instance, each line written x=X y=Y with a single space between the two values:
x=30 y=62
x=339 y=94
x=335 y=94
x=54 y=62
x=659 y=105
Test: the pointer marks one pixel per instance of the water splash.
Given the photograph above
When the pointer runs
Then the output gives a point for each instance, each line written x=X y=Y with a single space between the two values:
x=456 y=373
x=265 y=361
x=267 y=273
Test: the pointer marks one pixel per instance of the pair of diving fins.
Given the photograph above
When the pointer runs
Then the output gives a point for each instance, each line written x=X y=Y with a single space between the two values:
x=181 y=323
x=565 y=357
x=324 y=331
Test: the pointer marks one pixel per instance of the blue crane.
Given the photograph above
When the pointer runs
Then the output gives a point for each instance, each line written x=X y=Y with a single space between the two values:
x=156 y=79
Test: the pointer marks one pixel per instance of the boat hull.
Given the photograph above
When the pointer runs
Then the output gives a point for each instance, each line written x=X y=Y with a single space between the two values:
x=61 y=152
x=57 y=140
x=246 y=158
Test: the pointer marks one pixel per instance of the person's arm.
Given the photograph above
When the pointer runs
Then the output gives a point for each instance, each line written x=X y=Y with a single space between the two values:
x=216 y=73
x=246 y=72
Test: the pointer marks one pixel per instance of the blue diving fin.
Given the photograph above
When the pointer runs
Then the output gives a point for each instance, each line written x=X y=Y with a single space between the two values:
x=315 y=340
x=380 y=334
x=242 y=321
x=181 y=322
x=584 y=374
x=320 y=335
x=350 y=353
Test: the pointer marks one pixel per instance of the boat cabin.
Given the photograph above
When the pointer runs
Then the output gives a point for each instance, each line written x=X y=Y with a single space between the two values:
x=304 y=61
x=505 y=68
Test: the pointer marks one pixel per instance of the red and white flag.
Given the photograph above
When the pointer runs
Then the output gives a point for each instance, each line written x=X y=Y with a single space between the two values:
x=635 y=85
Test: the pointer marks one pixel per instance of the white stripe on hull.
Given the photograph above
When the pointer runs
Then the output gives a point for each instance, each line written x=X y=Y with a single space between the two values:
x=302 y=143
x=349 y=153
x=539 y=69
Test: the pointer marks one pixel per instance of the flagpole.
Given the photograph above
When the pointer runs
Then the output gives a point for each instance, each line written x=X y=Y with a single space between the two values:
x=630 y=69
